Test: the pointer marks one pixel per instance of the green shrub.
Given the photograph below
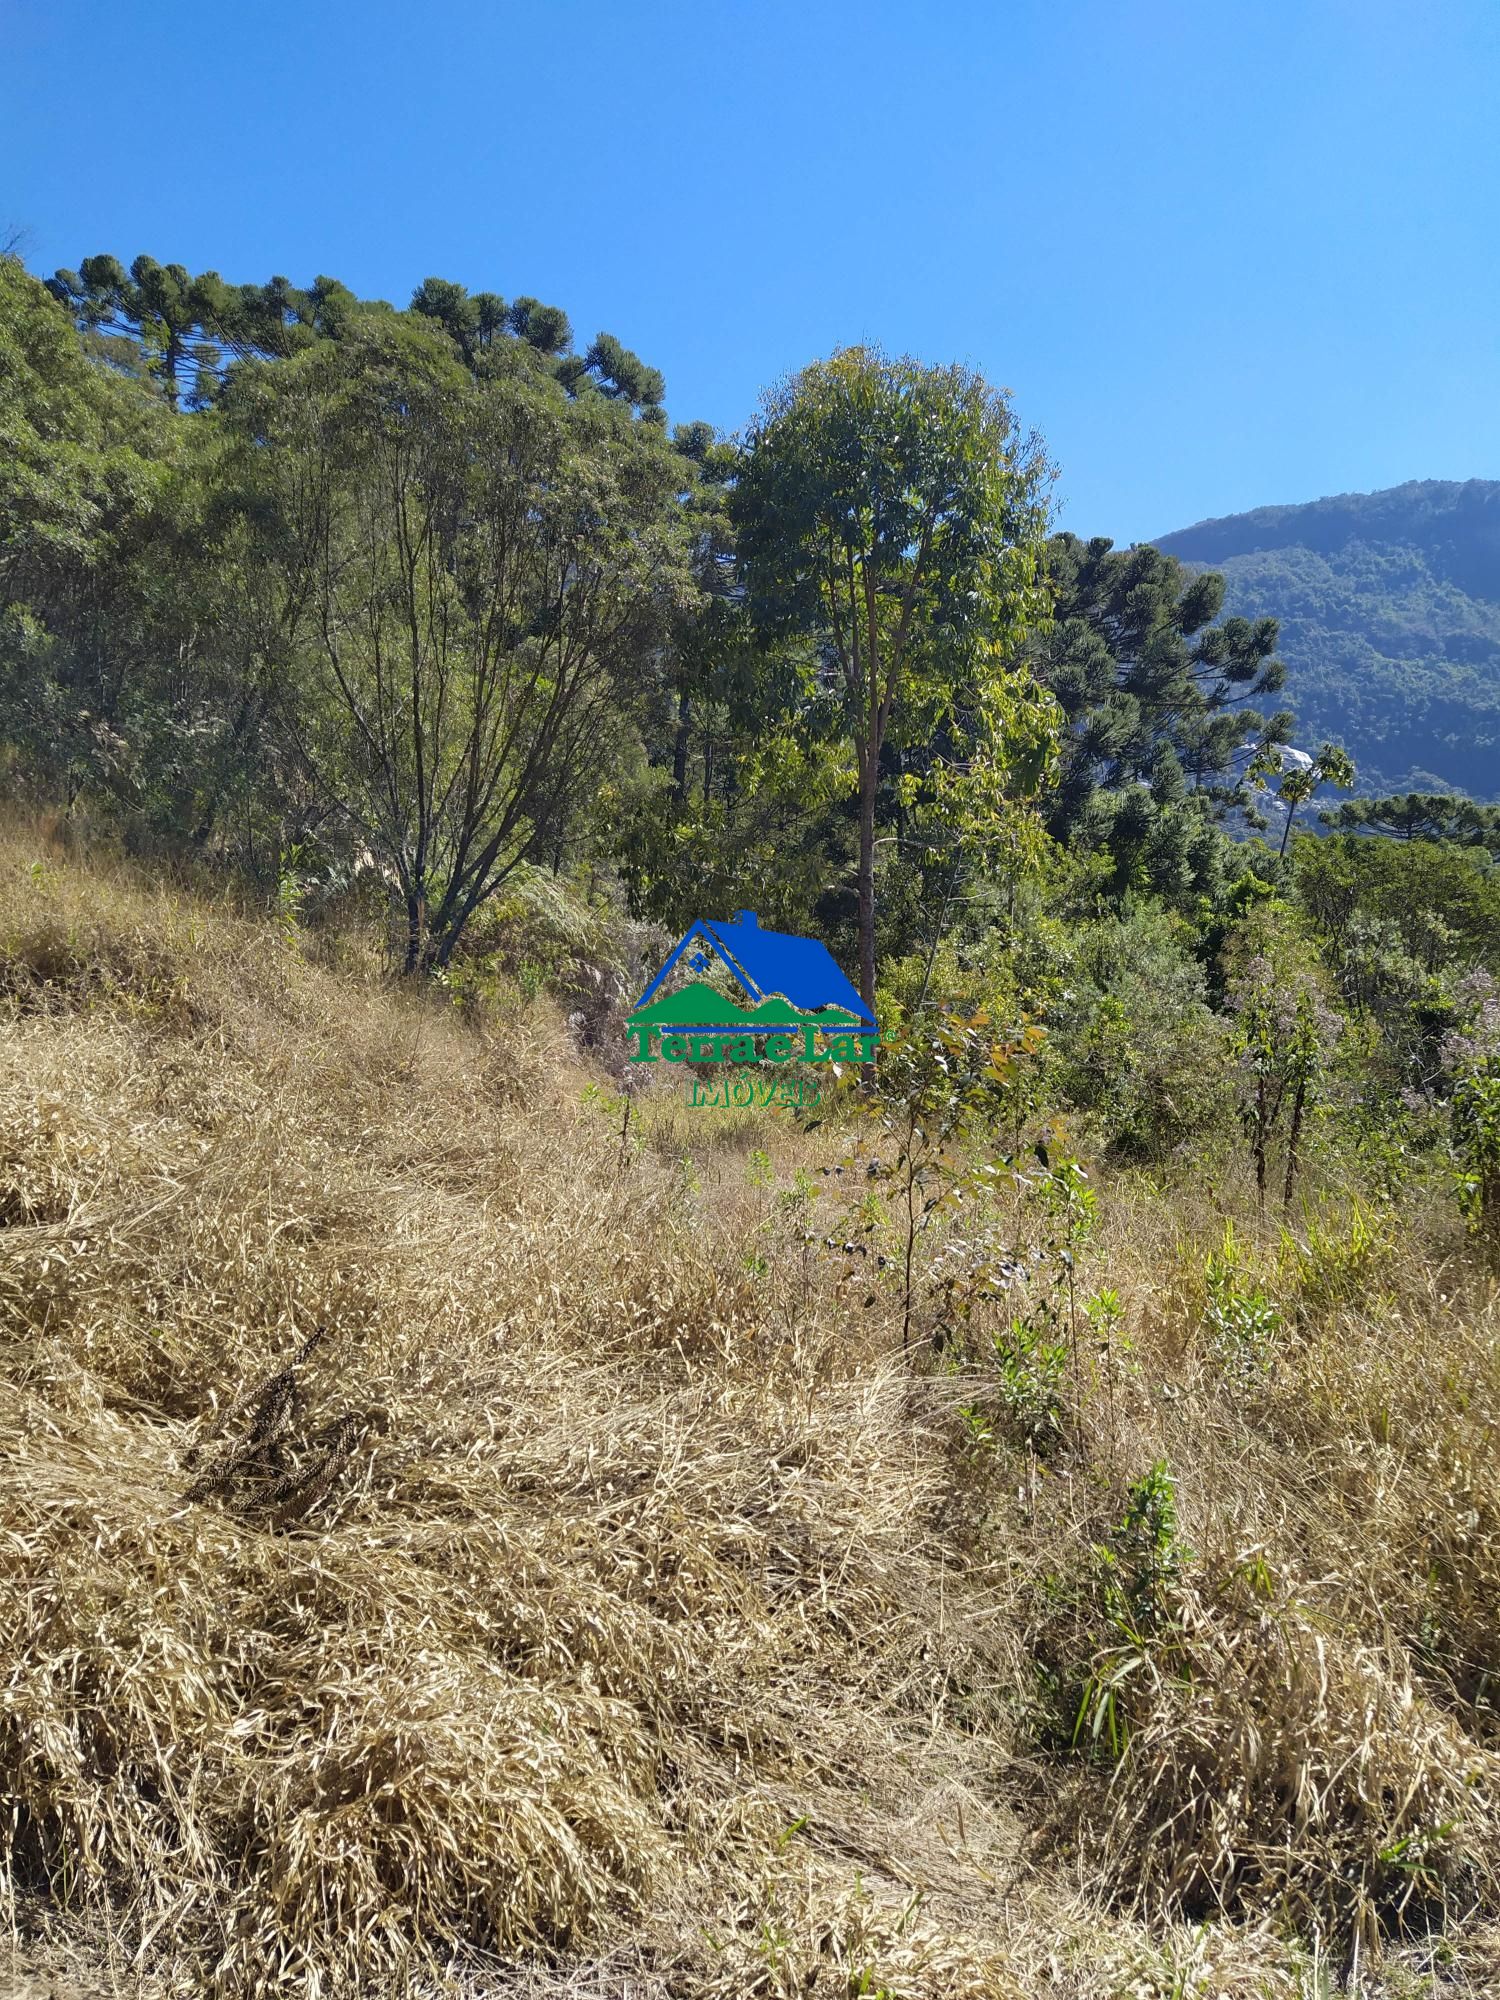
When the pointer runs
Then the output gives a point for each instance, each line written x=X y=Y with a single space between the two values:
x=1242 y=1322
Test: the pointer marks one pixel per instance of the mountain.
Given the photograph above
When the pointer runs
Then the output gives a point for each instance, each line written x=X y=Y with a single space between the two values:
x=1390 y=623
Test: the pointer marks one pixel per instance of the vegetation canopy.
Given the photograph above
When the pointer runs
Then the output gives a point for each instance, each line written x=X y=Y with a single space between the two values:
x=500 y=1493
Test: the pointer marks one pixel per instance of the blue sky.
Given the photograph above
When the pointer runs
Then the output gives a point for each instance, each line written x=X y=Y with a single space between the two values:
x=1223 y=252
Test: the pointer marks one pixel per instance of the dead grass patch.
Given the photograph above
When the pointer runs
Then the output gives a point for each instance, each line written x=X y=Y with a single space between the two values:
x=449 y=1544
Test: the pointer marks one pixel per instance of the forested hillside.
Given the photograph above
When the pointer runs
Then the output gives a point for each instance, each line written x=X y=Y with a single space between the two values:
x=1389 y=607
x=288 y=577
x=480 y=1518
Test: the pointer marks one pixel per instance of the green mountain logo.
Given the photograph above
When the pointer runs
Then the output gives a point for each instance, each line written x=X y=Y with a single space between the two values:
x=694 y=1006
x=776 y=1012
x=698 y=1005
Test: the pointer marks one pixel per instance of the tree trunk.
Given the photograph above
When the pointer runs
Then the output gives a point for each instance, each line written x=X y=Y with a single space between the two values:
x=1261 y=1128
x=1294 y=1140
x=680 y=748
x=1489 y=1216
x=416 y=930
x=868 y=778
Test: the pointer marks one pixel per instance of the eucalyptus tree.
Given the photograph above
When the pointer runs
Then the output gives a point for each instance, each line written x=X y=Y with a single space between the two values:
x=86 y=461
x=463 y=575
x=894 y=512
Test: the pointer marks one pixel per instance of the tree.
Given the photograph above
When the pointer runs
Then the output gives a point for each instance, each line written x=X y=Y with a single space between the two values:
x=464 y=574
x=891 y=511
x=474 y=321
x=183 y=328
x=1419 y=816
x=155 y=304
x=1284 y=1035
x=1152 y=683
x=745 y=780
x=85 y=459
x=1471 y=1057
x=624 y=375
x=546 y=328
x=1298 y=781
x=450 y=305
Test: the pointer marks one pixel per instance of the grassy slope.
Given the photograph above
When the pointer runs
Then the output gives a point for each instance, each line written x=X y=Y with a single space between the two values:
x=600 y=1590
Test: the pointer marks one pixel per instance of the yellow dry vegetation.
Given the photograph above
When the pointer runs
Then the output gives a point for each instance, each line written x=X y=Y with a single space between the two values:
x=443 y=1548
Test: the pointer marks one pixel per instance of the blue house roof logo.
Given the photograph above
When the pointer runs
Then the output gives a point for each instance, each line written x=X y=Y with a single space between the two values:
x=770 y=966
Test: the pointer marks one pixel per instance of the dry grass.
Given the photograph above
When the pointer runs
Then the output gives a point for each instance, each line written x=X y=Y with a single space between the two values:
x=445 y=1548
